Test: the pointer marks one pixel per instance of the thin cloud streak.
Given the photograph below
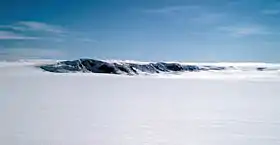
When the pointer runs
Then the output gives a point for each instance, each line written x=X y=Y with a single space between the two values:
x=244 y=30
x=39 y=26
x=21 y=31
x=25 y=26
x=7 y=35
x=43 y=31
x=208 y=18
x=19 y=53
x=271 y=12
x=88 y=40
x=171 y=9
x=220 y=22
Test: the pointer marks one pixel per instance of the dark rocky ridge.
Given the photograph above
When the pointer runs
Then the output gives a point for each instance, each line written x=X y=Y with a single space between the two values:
x=98 y=66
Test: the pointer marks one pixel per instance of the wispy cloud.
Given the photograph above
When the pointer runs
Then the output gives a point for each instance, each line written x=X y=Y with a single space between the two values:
x=24 y=26
x=39 y=26
x=32 y=30
x=88 y=40
x=10 y=27
x=171 y=9
x=271 y=12
x=247 y=30
x=19 y=53
x=195 y=14
x=218 y=21
x=208 y=18
x=7 y=35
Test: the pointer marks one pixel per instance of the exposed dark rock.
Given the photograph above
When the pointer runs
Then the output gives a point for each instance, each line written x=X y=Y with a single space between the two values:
x=261 y=68
x=98 y=66
x=173 y=66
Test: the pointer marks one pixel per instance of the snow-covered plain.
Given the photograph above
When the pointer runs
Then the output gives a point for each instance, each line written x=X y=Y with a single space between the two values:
x=195 y=108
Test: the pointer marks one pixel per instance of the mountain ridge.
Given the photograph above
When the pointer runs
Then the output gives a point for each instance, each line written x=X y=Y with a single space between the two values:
x=86 y=65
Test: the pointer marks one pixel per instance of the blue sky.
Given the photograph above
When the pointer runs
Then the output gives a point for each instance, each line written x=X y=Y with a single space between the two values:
x=156 y=30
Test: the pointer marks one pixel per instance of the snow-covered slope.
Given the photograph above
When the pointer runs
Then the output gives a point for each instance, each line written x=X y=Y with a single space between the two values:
x=38 y=107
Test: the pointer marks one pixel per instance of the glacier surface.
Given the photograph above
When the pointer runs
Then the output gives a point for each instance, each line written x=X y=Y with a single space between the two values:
x=41 y=107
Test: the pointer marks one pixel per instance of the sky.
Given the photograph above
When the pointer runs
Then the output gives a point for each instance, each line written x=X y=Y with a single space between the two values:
x=148 y=30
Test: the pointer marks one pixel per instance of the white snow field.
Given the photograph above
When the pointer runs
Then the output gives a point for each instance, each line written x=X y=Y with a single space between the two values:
x=195 y=108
